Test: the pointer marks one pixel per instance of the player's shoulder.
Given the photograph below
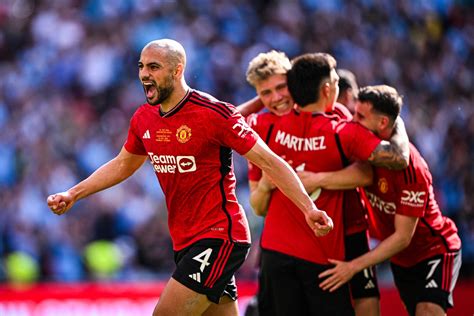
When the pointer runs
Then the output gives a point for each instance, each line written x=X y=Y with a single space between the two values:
x=340 y=111
x=417 y=170
x=342 y=125
x=211 y=104
x=262 y=119
x=143 y=110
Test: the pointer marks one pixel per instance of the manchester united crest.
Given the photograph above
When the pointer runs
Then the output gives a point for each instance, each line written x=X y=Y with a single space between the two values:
x=383 y=185
x=183 y=134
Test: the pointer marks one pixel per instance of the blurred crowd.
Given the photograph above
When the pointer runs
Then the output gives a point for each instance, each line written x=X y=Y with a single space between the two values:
x=69 y=85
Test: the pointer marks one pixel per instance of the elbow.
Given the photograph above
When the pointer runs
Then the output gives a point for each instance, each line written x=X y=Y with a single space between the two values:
x=401 y=163
x=404 y=241
x=260 y=213
x=367 y=181
x=404 y=161
x=257 y=209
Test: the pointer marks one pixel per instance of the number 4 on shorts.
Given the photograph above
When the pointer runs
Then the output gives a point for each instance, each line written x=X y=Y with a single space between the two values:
x=203 y=258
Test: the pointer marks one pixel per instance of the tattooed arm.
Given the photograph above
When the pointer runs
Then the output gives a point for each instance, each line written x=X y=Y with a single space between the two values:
x=393 y=154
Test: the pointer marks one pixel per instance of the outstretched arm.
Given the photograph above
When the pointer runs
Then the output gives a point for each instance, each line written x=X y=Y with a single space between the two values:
x=289 y=184
x=251 y=106
x=343 y=271
x=396 y=153
x=109 y=174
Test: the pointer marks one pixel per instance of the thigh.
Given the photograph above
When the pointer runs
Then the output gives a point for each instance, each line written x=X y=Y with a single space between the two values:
x=208 y=266
x=176 y=299
x=430 y=281
x=226 y=307
x=280 y=291
x=320 y=302
x=363 y=284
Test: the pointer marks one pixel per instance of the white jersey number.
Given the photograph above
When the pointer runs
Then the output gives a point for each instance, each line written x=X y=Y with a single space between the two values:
x=203 y=258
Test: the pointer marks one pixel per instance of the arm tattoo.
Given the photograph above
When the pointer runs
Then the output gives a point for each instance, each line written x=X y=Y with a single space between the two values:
x=387 y=155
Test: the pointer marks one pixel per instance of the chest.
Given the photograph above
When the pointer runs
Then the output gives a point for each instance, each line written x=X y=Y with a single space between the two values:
x=383 y=194
x=181 y=134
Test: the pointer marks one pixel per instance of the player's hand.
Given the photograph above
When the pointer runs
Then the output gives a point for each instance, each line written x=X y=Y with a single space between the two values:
x=60 y=203
x=341 y=273
x=319 y=222
x=309 y=180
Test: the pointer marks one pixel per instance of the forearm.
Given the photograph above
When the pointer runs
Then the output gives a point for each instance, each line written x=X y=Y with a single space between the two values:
x=385 y=250
x=358 y=174
x=251 y=106
x=260 y=199
x=108 y=175
x=400 y=139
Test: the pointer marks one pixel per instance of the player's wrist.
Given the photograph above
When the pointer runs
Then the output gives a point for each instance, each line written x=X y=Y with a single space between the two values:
x=74 y=193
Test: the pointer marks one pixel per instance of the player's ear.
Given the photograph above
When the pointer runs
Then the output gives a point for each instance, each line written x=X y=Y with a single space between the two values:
x=178 y=71
x=384 y=122
x=325 y=90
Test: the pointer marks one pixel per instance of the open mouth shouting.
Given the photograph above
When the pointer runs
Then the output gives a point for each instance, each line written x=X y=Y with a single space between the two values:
x=150 y=90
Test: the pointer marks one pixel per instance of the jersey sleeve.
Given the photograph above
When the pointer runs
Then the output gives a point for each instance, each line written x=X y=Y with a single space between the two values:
x=234 y=132
x=357 y=141
x=254 y=172
x=413 y=192
x=134 y=143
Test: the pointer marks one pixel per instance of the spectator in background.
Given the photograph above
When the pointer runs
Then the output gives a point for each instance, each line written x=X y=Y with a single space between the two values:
x=424 y=49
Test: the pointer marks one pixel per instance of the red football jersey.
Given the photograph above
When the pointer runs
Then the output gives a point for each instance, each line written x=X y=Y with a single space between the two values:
x=354 y=209
x=190 y=148
x=307 y=142
x=410 y=192
x=263 y=124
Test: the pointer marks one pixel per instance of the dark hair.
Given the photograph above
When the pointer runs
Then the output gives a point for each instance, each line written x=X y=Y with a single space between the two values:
x=384 y=100
x=307 y=73
x=347 y=80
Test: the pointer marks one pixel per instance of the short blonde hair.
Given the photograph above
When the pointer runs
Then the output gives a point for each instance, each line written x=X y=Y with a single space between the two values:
x=267 y=64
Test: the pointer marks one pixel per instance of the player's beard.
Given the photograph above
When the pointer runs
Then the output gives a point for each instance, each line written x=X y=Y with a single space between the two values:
x=163 y=91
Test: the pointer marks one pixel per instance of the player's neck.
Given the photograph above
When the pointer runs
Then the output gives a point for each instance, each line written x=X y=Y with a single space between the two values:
x=175 y=98
x=314 y=107
x=386 y=134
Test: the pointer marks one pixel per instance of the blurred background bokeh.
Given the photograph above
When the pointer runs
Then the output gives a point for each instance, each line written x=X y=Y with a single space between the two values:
x=69 y=85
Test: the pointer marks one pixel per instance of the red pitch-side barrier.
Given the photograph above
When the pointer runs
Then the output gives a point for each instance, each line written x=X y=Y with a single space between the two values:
x=131 y=299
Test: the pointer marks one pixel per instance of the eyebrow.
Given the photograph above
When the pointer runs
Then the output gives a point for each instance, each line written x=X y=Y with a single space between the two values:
x=153 y=63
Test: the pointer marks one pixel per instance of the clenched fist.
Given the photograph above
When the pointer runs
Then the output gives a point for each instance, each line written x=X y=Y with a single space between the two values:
x=60 y=203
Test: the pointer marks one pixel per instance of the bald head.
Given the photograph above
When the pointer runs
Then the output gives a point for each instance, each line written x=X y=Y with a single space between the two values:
x=173 y=51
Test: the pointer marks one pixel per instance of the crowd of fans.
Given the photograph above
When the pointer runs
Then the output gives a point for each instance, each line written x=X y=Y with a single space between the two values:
x=69 y=85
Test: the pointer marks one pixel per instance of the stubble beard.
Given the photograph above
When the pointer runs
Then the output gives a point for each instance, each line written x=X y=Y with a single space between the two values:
x=163 y=91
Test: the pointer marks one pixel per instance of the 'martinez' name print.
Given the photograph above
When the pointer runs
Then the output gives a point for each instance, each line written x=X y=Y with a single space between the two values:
x=300 y=144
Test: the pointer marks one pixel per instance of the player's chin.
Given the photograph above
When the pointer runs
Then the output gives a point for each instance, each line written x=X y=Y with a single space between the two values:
x=282 y=111
x=152 y=101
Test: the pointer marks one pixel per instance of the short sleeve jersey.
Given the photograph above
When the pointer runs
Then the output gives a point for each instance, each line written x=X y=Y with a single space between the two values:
x=307 y=142
x=354 y=206
x=263 y=124
x=190 y=149
x=410 y=192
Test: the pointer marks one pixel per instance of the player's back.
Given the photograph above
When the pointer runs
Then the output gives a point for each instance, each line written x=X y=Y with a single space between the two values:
x=307 y=142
